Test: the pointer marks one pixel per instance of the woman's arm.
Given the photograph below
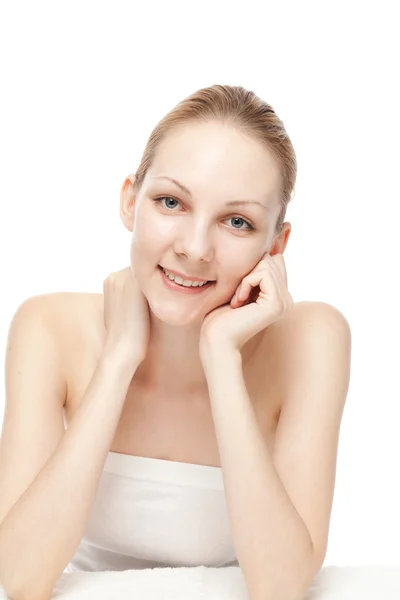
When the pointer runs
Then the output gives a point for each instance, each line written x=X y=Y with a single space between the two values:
x=43 y=530
x=279 y=506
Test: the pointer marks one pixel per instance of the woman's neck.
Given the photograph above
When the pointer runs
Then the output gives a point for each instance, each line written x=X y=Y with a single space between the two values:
x=172 y=365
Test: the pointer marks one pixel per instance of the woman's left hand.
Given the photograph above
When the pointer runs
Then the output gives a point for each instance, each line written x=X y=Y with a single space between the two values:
x=261 y=298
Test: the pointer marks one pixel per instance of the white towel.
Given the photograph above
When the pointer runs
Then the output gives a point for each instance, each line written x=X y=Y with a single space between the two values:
x=205 y=583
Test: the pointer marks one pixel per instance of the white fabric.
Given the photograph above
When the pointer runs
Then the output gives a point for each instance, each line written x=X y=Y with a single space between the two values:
x=156 y=513
x=202 y=583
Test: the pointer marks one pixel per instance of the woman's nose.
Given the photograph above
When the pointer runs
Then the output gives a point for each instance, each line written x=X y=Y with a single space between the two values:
x=196 y=246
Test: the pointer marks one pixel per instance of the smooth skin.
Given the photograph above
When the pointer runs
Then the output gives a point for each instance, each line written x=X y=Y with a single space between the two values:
x=202 y=235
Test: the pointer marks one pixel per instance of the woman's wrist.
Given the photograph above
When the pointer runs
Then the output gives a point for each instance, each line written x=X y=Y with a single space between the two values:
x=119 y=360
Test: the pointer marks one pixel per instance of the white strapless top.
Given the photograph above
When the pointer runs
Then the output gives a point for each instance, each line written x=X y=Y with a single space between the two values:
x=151 y=513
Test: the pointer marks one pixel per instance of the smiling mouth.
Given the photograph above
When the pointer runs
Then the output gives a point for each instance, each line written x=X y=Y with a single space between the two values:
x=184 y=288
x=179 y=279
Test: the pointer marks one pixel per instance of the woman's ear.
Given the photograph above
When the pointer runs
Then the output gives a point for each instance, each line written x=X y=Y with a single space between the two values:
x=127 y=201
x=280 y=242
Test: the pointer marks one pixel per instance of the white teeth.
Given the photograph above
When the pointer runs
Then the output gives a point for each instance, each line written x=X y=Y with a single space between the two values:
x=184 y=282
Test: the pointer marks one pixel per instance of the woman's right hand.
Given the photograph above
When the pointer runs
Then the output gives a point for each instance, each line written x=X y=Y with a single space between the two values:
x=126 y=316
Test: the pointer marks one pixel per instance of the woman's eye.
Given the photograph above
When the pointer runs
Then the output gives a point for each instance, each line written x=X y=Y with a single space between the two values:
x=170 y=199
x=249 y=226
x=166 y=198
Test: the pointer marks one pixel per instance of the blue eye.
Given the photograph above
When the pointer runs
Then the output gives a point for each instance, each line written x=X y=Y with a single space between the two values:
x=159 y=201
x=243 y=220
x=166 y=198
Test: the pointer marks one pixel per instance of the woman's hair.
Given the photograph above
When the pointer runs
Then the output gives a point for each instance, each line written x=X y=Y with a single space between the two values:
x=242 y=108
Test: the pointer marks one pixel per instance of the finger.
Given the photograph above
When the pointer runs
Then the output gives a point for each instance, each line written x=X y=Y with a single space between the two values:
x=279 y=263
x=281 y=289
x=273 y=263
x=254 y=279
x=263 y=262
x=248 y=283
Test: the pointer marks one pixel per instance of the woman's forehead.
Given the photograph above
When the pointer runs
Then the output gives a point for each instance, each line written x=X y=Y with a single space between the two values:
x=224 y=160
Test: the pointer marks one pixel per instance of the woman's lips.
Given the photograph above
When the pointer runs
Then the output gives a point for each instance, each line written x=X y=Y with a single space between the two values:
x=182 y=288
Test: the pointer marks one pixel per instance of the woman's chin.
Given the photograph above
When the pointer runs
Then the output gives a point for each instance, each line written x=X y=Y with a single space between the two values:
x=176 y=317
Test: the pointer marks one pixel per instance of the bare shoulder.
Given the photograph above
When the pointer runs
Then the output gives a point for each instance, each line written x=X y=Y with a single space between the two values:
x=64 y=308
x=312 y=333
x=289 y=337
x=318 y=329
x=73 y=316
x=303 y=315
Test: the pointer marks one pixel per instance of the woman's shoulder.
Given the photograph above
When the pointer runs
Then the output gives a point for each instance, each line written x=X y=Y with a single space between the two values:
x=293 y=325
x=67 y=308
x=295 y=333
x=307 y=312
x=74 y=317
x=293 y=330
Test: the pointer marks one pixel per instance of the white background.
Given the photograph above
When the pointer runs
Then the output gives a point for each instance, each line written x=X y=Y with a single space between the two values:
x=82 y=86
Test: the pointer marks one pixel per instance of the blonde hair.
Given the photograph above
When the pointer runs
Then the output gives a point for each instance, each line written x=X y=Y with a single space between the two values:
x=240 y=107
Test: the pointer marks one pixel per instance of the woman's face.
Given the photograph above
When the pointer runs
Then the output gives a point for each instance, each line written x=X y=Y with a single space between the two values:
x=217 y=231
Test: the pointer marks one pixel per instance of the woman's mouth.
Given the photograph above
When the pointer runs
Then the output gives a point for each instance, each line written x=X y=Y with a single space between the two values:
x=178 y=286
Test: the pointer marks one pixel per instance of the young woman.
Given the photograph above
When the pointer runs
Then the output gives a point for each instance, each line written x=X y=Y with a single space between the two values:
x=202 y=405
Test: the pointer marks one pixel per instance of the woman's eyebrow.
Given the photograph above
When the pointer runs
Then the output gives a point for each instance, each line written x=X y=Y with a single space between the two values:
x=186 y=191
